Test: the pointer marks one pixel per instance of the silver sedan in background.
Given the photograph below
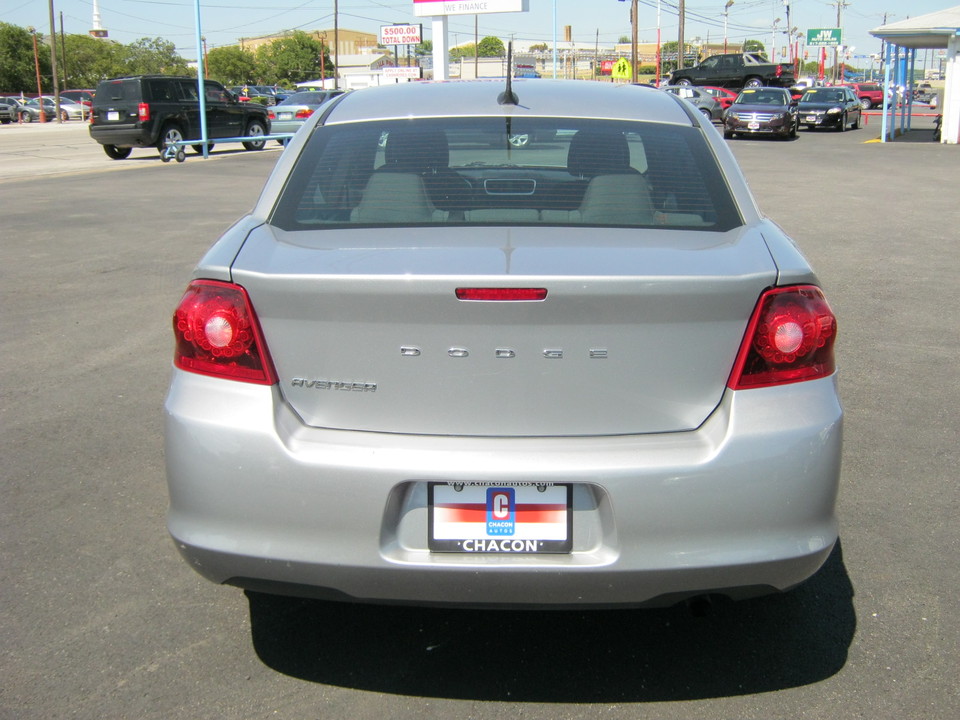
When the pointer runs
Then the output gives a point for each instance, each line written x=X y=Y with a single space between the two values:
x=433 y=368
x=704 y=101
x=290 y=115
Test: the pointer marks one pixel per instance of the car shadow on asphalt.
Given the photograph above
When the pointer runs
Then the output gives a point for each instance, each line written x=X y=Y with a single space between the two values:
x=597 y=656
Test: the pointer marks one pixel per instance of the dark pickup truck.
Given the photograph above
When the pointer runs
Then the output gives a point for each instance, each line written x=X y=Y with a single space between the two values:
x=736 y=70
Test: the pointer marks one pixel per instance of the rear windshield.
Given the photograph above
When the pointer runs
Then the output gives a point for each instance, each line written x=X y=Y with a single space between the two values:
x=823 y=95
x=111 y=91
x=497 y=171
x=763 y=97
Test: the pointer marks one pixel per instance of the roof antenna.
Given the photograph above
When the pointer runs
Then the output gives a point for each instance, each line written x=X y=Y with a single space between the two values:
x=508 y=96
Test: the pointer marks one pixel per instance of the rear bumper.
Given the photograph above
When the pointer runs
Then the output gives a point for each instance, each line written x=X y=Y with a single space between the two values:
x=123 y=136
x=821 y=119
x=743 y=505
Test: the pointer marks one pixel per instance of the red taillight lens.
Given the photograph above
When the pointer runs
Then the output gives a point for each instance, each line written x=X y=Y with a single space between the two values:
x=502 y=294
x=304 y=113
x=789 y=339
x=271 y=115
x=218 y=334
x=143 y=112
x=779 y=70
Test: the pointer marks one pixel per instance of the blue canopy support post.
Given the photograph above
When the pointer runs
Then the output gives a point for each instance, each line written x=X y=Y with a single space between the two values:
x=886 y=94
x=898 y=80
x=201 y=85
x=909 y=88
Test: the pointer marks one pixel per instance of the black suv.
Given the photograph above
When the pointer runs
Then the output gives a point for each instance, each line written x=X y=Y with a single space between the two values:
x=153 y=110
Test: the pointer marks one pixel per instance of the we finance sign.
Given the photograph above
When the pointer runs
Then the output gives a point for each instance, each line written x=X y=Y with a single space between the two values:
x=427 y=8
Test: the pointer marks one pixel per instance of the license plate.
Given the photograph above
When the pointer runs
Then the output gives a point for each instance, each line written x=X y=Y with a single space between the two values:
x=491 y=518
x=113 y=116
x=811 y=118
x=284 y=116
x=753 y=126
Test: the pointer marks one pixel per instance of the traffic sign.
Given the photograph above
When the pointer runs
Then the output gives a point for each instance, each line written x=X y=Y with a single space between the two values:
x=622 y=70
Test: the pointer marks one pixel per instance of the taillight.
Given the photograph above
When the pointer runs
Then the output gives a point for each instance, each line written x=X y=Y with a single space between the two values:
x=779 y=70
x=143 y=112
x=789 y=338
x=217 y=334
x=271 y=115
x=304 y=113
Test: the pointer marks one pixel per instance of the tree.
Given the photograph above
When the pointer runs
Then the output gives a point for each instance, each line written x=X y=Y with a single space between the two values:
x=463 y=51
x=232 y=65
x=424 y=48
x=753 y=46
x=295 y=58
x=539 y=47
x=491 y=47
x=146 y=56
x=17 y=70
x=87 y=60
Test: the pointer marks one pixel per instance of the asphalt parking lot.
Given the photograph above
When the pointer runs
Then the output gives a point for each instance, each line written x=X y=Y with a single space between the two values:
x=101 y=619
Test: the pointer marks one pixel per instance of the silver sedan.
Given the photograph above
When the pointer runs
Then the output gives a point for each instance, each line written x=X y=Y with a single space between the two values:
x=701 y=99
x=290 y=115
x=430 y=368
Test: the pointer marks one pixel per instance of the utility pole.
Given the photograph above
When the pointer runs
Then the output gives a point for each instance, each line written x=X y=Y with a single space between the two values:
x=786 y=7
x=63 y=57
x=633 y=41
x=53 y=64
x=336 y=45
x=726 y=11
x=682 y=13
x=883 y=48
x=836 y=51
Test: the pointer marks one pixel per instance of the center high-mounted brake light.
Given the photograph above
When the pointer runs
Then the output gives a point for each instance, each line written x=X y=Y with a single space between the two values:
x=502 y=294
x=217 y=334
x=789 y=339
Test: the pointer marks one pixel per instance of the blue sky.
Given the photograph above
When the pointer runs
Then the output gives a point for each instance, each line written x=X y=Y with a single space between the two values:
x=224 y=21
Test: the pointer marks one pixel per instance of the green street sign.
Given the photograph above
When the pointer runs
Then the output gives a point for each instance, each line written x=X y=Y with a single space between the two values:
x=824 y=37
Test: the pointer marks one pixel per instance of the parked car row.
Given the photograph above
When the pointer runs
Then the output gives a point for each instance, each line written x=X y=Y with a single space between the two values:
x=74 y=105
x=776 y=111
x=273 y=93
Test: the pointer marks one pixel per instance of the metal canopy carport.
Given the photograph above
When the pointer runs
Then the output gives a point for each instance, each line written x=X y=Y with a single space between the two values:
x=932 y=31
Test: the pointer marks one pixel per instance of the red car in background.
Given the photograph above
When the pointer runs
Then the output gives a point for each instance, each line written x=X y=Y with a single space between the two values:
x=84 y=97
x=870 y=94
x=722 y=95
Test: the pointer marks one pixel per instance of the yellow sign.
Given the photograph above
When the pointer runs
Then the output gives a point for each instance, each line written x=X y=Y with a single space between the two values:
x=621 y=70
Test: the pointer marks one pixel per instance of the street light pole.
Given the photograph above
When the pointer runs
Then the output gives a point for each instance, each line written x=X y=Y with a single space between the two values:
x=36 y=61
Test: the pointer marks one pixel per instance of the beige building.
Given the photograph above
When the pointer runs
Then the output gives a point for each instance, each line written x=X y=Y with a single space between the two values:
x=349 y=42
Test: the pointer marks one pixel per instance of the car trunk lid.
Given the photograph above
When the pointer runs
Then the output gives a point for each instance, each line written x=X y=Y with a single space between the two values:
x=637 y=333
